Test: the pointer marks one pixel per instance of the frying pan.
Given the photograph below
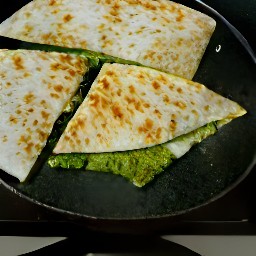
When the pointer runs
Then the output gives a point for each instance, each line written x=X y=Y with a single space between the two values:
x=106 y=202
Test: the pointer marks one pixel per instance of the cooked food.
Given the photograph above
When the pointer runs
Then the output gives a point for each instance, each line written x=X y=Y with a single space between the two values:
x=35 y=87
x=136 y=120
x=160 y=34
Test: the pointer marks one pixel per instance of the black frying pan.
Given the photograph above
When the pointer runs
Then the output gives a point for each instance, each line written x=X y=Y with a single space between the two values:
x=108 y=203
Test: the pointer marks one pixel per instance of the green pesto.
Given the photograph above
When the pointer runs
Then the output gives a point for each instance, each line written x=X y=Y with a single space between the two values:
x=68 y=161
x=138 y=166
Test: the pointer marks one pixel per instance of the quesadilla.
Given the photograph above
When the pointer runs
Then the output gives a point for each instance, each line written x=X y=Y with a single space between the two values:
x=160 y=34
x=35 y=87
x=135 y=120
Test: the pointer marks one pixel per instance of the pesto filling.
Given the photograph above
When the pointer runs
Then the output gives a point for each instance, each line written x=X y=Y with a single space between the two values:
x=138 y=166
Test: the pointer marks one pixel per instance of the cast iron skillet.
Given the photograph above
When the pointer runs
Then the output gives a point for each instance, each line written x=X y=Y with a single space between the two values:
x=107 y=202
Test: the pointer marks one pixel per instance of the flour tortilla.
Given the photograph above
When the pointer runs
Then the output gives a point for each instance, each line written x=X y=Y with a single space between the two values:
x=160 y=34
x=130 y=107
x=34 y=89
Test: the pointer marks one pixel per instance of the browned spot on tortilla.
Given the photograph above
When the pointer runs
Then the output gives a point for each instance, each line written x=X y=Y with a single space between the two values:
x=149 y=138
x=58 y=88
x=195 y=112
x=180 y=104
x=52 y=2
x=43 y=103
x=117 y=111
x=29 y=147
x=5 y=138
x=87 y=141
x=72 y=72
x=13 y=119
x=173 y=125
x=95 y=99
x=179 y=90
x=66 y=58
x=181 y=27
x=35 y=122
x=47 y=38
x=158 y=133
x=67 y=77
x=30 y=110
x=171 y=86
x=206 y=108
x=110 y=73
x=67 y=18
x=79 y=123
x=105 y=83
x=29 y=98
x=45 y=115
x=55 y=12
x=42 y=136
x=156 y=85
x=24 y=122
x=132 y=89
x=149 y=6
x=18 y=62
x=150 y=55
x=73 y=133
x=54 y=95
x=27 y=14
x=159 y=57
x=28 y=27
x=119 y=92
x=146 y=105
x=46 y=125
x=166 y=99
x=158 y=113
x=26 y=74
x=138 y=106
x=103 y=37
x=147 y=126
x=180 y=16
x=8 y=84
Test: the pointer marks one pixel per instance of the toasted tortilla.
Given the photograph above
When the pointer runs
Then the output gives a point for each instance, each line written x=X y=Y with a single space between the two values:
x=130 y=107
x=160 y=34
x=34 y=89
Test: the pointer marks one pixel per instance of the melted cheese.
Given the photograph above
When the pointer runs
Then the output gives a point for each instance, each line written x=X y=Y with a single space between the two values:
x=160 y=34
x=34 y=87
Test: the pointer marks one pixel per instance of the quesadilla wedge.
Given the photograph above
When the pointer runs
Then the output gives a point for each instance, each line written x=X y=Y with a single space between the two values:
x=136 y=120
x=35 y=87
x=160 y=34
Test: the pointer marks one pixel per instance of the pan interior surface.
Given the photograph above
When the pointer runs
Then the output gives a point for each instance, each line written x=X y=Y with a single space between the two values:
x=206 y=171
